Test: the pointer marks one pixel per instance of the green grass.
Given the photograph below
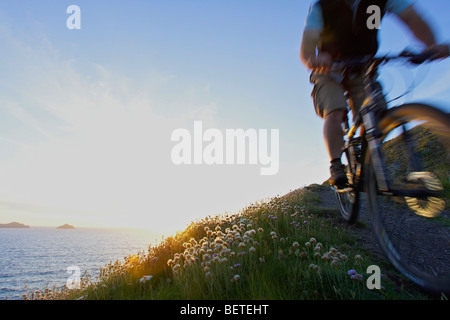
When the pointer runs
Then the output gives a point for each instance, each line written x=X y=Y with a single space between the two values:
x=284 y=249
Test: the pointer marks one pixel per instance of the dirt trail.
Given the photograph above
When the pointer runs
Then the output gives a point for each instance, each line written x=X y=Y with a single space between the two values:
x=366 y=238
x=362 y=230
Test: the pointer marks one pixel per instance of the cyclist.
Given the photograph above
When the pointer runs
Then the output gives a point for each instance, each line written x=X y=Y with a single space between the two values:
x=337 y=30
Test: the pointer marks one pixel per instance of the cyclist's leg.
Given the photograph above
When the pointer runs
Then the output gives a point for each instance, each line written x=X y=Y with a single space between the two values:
x=328 y=95
x=355 y=88
x=331 y=104
x=333 y=134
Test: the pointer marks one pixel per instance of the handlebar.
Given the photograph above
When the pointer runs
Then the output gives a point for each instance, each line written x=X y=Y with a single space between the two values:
x=416 y=58
x=370 y=62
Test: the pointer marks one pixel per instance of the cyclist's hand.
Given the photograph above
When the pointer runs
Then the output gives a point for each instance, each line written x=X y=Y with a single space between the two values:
x=322 y=63
x=438 y=51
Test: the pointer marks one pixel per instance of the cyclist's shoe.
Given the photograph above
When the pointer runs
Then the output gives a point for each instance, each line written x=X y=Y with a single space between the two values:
x=338 y=175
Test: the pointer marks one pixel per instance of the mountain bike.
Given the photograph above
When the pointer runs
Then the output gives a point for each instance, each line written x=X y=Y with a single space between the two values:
x=399 y=158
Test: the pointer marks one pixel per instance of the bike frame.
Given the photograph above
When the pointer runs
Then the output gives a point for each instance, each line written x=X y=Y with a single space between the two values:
x=367 y=169
x=367 y=119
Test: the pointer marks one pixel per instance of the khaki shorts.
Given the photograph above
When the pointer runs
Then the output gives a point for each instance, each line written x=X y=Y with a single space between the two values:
x=330 y=93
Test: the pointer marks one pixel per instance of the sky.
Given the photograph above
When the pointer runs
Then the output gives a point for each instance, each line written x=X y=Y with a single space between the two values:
x=87 y=115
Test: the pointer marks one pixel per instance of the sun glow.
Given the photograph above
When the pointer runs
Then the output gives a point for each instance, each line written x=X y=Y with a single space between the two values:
x=90 y=145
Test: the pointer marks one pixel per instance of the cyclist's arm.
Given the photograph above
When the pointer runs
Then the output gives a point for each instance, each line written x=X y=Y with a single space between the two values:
x=308 y=54
x=423 y=32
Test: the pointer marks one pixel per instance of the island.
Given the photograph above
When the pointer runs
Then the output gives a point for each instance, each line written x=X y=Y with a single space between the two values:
x=13 y=225
x=66 y=226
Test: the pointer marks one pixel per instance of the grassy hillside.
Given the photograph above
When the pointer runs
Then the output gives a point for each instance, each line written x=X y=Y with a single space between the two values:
x=288 y=248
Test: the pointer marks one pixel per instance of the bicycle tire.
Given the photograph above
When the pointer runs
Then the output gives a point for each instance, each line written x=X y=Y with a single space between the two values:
x=348 y=200
x=411 y=234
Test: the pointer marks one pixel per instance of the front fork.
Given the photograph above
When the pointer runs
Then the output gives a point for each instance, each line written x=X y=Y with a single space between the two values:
x=373 y=137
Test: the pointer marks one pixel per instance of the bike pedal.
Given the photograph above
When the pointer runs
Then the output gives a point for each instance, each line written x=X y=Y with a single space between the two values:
x=342 y=189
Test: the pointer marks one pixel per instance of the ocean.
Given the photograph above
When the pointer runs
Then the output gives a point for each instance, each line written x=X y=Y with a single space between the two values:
x=38 y=257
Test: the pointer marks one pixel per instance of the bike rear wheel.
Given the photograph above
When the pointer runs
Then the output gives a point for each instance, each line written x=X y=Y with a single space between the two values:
x=412 y=220
x=348 y=198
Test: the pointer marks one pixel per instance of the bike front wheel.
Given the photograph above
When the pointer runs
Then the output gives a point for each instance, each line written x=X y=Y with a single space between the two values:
x=412 y=218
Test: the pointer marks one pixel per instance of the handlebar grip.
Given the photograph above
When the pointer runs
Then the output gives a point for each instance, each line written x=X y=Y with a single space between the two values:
x=416 y=58
x=421 y=58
